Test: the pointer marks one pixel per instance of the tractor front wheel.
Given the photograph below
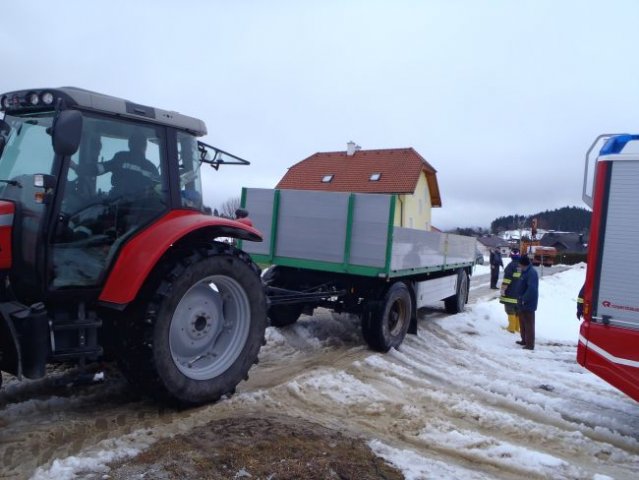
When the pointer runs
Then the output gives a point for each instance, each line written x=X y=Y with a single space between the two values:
x=202 y=330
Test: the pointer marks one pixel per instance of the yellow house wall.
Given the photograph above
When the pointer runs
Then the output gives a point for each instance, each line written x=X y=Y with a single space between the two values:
x=414 y=211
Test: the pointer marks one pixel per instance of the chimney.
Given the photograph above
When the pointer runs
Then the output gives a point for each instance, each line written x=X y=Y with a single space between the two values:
x=351 y=148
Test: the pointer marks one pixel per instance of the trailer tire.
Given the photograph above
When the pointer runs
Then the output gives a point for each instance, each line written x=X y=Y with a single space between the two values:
x=208 y=311
x=457 y=302
x=284 y=315
x=385 y=325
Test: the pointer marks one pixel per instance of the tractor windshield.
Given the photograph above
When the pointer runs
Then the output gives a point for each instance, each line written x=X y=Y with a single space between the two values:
x=27 y=150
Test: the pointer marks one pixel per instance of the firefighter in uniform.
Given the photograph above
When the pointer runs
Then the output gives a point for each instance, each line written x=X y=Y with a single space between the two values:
x=580 y=303
x=495 y=263
x=509 y=291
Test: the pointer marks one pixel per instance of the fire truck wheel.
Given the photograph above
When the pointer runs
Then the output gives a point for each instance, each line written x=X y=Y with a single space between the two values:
x=386 y=325
x=457 y=302
x=202 y=330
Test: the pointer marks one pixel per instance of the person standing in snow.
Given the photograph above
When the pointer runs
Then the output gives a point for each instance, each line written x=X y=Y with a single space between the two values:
x=495 y=263
x=509 y=291
x=580 y=303
x=527 y=297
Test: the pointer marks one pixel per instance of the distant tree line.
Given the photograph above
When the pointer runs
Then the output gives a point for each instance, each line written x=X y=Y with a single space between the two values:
x=566 y=219
x=470 y=231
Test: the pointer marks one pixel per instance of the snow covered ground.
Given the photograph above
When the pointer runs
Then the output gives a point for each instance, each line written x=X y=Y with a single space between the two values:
x=460 y=400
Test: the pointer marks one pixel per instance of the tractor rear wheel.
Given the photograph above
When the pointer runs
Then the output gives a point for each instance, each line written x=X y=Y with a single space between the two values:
x=202 y=329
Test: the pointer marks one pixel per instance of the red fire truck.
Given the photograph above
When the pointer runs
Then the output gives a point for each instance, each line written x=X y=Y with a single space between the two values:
x=609 y=335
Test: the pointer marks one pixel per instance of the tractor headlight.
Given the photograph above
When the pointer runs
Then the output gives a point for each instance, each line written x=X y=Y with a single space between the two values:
x=33 y=99
x=38 y=180
x=47 y=98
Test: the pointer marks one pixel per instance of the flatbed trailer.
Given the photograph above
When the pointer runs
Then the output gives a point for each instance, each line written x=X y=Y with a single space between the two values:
x=342 y=251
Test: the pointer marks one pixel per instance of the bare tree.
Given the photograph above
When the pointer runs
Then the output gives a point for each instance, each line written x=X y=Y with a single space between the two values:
x=229 y=206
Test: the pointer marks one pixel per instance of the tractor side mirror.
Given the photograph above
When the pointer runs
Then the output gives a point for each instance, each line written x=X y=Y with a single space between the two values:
x=67 y=131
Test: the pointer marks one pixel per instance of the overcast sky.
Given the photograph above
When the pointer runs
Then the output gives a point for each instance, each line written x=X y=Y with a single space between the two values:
x=502 y=97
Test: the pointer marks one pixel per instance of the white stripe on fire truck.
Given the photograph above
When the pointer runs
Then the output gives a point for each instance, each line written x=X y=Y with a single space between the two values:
x=608 y=356
x=6 y=219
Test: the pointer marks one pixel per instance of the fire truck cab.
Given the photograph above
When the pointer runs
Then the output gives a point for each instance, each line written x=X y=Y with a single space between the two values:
x=609 y=335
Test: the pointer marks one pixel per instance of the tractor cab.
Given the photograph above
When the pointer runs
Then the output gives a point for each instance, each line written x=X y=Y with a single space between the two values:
x=115 y=179
x=82 y=175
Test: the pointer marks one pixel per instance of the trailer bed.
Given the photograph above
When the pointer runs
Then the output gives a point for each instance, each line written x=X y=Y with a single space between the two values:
x=347 y=233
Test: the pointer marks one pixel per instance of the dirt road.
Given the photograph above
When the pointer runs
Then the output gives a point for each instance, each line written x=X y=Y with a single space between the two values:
x=442 y=402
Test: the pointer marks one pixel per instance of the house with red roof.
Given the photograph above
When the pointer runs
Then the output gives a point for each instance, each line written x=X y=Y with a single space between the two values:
x=397 y=171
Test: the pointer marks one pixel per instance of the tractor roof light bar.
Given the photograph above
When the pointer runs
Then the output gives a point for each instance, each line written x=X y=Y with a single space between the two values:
x=35 y=100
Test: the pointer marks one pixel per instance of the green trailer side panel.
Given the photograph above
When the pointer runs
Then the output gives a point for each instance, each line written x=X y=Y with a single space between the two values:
x=275 y=218
x=349 y=229
x=348 y=233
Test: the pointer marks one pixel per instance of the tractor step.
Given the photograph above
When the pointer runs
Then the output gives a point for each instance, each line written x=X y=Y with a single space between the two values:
x=58 y=327
x=74 y=353
x=76 y=338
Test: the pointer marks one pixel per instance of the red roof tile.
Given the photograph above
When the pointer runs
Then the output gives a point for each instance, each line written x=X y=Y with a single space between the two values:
x=400 y=169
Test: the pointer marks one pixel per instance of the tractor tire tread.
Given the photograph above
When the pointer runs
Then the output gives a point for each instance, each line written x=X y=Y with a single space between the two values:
x=137 y=345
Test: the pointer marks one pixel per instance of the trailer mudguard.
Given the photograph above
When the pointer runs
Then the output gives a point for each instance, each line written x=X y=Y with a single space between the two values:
x=138 y=257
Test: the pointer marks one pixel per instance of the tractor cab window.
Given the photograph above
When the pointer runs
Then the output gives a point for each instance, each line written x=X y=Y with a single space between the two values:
x=27 y=150
x=116 y=185
x=190 y=174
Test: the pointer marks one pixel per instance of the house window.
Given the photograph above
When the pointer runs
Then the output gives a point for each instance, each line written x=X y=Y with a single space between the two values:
x=327 y=178
x=375 y=177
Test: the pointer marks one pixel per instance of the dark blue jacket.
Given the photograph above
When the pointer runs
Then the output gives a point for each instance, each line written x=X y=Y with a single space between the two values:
x=528 y=290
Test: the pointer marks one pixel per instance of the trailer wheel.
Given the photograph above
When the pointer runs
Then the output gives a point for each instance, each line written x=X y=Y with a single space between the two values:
x=386 y=325
x=457 y=302
x=202 y=330
x=284 y=315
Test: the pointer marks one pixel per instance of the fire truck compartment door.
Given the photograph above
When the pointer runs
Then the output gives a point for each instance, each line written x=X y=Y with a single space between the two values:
x=612 y=354
x=617 y=298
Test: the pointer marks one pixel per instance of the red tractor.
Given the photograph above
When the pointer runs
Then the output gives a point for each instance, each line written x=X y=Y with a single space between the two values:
x=107 y=250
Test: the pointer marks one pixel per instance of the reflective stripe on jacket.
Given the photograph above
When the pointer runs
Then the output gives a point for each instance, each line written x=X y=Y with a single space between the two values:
x=509 y=283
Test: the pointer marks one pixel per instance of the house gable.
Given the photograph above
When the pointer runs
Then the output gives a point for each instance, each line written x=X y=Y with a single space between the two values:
x=390 y=171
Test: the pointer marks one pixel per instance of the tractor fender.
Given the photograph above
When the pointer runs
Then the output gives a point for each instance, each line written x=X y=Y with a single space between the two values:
x=140 y=255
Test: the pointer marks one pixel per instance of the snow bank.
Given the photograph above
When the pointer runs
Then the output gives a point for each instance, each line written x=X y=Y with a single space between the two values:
x=336 y=385
x=417 y=467
x=556 y=315
x=481 y=269
x=477 y=447
x=95 y=459
x=555 y=319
